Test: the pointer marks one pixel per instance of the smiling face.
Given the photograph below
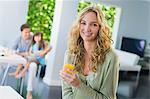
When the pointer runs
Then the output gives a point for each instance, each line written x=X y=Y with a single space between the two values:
x=37 y=38
x=26 y=33
x=89 y=27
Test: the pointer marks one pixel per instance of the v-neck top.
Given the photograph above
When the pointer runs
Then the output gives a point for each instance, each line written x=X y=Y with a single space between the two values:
x=101 y=84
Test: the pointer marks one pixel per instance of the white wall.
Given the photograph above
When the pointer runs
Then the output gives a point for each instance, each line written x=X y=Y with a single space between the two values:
x=12 y=16
x=134 y=20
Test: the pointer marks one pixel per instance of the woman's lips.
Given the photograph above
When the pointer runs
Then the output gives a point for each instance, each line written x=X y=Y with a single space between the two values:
x=87 y=34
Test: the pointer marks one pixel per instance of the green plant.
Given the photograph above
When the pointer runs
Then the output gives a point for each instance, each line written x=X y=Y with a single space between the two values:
x=40 y=16
x=41 y=12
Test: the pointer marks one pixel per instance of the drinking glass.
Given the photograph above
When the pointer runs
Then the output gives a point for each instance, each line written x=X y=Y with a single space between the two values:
x=69 y=61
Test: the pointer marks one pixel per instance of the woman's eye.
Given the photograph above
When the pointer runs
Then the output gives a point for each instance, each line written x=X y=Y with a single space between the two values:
x=95 y=25
x=83 y=23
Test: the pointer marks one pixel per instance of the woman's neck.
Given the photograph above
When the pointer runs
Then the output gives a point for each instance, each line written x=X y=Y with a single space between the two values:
x=37 y=43
x=89 y=47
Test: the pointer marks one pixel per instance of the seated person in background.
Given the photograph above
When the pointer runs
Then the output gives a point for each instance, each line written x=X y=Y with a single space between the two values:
x=23 y=42
x=21 y=46
x=37 y=52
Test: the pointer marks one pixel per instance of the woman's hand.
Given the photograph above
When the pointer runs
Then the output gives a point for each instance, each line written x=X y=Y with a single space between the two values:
x=70 y=77
x=41 y=53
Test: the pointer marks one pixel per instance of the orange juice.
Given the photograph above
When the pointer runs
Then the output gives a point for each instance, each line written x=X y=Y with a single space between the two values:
x=69 y=66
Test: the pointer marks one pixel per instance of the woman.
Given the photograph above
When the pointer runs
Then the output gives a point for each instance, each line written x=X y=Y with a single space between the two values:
x=95 y=75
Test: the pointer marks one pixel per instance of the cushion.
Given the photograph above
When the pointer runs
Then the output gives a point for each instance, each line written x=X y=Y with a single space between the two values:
x=127 y=58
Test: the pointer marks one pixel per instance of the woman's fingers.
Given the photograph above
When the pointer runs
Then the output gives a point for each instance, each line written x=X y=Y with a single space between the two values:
x=67 y=76
x=70 y=78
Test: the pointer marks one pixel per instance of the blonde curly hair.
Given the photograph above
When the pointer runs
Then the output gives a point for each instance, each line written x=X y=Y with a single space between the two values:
x=103 y=45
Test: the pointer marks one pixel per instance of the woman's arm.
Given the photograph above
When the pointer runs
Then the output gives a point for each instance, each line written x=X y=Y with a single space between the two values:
x=46 y=50
x=67 y=92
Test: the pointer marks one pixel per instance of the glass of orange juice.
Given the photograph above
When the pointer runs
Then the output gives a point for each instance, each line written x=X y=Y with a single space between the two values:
x=68 y=66
x=69 y=63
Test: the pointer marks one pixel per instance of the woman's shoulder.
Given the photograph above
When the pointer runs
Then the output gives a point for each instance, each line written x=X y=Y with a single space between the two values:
x=67 y=53
x=112 y=54
x=111 y=57
x=45 y=42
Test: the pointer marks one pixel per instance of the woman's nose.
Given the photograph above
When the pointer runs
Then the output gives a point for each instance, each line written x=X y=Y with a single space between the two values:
x=87 y=28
